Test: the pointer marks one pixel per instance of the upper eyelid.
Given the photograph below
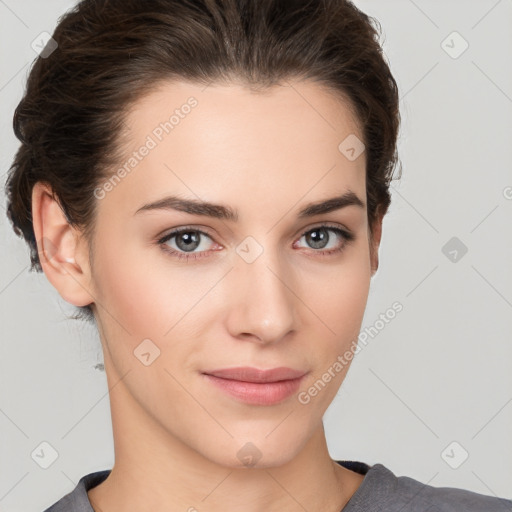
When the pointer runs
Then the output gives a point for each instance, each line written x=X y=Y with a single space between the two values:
x=177 y=231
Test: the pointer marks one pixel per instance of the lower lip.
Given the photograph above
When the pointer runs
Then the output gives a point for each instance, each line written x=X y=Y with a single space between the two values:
x=255 y=393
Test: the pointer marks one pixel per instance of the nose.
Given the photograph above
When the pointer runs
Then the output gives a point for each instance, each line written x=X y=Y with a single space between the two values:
x=263 y=305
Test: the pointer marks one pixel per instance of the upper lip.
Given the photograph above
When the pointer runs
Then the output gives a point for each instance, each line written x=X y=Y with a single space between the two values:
x=249 y=374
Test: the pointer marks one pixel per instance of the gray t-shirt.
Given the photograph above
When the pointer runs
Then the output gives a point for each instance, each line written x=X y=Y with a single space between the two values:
x=380 y=491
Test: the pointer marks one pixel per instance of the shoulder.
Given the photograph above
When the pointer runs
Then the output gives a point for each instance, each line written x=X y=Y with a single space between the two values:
x=405 y=494
x=77 y=500
x=413 y=495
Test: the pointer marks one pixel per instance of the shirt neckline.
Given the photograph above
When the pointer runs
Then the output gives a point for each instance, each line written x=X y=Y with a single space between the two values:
x=367 y=492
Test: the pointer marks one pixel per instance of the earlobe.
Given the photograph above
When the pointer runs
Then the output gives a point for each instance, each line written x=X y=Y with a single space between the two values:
x=59 y=248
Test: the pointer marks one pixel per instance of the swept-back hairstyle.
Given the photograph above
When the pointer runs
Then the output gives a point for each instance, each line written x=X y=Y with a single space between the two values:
x=111 y=52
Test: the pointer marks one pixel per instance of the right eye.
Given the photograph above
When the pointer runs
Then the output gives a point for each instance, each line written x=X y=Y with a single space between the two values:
x=186 y=241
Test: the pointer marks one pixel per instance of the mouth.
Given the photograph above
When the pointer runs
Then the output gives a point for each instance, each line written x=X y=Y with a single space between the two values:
x=257 y=387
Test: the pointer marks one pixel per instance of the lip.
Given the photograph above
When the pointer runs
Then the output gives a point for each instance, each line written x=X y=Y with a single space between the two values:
x=255 y=386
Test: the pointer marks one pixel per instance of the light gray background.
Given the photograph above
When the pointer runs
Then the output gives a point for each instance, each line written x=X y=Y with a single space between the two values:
x=437 y=373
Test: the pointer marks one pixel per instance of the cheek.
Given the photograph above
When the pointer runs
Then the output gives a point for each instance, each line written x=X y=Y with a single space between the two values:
x=338 y=294
x=130 y=293
x=144 y=296
x=339 y=304
x=349 y=294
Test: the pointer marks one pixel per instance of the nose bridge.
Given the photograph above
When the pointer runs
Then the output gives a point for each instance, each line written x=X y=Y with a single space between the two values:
x=264 y=305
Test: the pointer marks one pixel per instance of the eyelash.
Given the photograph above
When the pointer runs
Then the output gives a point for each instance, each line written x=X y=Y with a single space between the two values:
x=347 y=236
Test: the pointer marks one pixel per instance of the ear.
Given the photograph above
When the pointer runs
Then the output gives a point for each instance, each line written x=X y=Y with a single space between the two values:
x=375 y=242
x=62 y=251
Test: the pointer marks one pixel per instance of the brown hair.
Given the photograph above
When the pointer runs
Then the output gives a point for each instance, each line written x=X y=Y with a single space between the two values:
x=111 y=52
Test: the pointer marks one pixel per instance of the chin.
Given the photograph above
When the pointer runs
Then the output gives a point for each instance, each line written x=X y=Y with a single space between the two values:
x=256 y=452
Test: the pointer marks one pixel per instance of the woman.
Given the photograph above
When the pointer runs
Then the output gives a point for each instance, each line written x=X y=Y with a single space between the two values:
x=207 y=182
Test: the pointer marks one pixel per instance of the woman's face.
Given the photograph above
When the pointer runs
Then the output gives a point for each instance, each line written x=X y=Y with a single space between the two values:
x=264 y=286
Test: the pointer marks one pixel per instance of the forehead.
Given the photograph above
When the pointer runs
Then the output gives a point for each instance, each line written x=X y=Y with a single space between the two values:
x=234 y=105
x=226 y=141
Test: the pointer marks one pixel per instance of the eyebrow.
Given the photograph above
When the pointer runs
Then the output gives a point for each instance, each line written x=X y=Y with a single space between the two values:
x=219 y=211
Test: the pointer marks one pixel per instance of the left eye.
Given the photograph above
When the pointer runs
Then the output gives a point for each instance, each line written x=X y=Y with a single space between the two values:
x=318 y=238
x=187 y=240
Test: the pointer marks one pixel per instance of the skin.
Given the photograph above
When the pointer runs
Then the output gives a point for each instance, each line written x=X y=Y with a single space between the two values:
x=176 y=436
